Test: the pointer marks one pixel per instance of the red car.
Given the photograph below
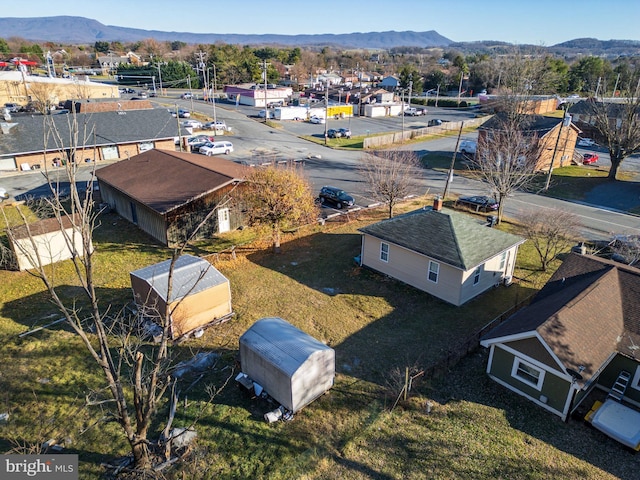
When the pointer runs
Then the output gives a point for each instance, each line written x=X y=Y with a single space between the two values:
x=589 y=158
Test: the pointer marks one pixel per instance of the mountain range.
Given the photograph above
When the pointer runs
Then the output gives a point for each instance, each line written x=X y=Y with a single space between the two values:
x=80 y=30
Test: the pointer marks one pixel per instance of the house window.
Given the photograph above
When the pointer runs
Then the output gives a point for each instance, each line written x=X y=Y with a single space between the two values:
x=384 y=252
x=476 y=276
x=503 y=261
x=636 y=379
x=527 y=373
x=434 y=269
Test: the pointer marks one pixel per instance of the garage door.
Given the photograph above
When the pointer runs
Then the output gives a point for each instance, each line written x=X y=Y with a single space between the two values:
x=7 y=163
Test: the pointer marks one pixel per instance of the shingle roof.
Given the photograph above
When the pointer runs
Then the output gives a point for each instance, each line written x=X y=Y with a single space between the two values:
x=178 y=178
x=589 y=309
x=454 y=238
x=98 y=128
x=538 y=124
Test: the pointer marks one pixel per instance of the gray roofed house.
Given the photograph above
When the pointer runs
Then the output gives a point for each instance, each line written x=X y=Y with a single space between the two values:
x=580 y=331
x=446 y=253
x=30 y=143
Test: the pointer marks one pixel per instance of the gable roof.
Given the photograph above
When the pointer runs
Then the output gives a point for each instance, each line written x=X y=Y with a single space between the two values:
x=538 y=124
x=178 y=177
x=94 y=129
x=451 y=237
x=588 y=310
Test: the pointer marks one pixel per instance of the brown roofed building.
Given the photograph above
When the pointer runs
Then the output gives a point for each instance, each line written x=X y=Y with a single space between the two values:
x=167 y=194
x=579 y=333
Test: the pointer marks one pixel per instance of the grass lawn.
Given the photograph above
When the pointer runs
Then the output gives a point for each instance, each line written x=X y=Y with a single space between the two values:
x=378 y=327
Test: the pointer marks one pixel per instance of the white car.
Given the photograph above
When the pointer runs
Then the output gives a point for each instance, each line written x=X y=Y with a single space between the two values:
x=219 y=125
x=586 y=142
x=192 y=124
x=3 y=194
x=316 y=119
x=215 y=148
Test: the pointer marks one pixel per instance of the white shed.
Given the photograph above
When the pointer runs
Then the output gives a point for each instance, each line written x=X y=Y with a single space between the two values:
x=44 y=242
x=200 y=294
x=293 y=367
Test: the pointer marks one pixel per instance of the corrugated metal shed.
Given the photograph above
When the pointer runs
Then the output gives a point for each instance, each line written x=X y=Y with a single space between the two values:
x=200 y=294
x=293 y=367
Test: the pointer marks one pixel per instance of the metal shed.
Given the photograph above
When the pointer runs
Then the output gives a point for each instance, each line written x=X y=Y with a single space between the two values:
x=293 y=367
x=200 y=295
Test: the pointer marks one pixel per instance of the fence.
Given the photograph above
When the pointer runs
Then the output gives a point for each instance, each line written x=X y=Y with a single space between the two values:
x=399 y=137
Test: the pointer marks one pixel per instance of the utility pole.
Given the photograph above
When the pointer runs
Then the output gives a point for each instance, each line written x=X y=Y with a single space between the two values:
x=266 y=110
x=326 y=111
x=453 y=161
x=402 y=112
x=213 y=95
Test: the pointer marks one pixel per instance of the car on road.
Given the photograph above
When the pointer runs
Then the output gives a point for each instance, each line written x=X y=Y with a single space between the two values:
x=12 y=107
x=192 y=124
x=589 y=158
x=317 y=120
x=479 y=203
x=3 y=194
x=334 y=133
x=586 y=142
x=434 y=122
x=142 y=95
x=412 y=111
x=216 y=148
x=186 y=96
x=339 y=198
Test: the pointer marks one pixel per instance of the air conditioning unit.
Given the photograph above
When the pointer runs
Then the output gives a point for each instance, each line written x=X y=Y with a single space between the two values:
x=507 y=280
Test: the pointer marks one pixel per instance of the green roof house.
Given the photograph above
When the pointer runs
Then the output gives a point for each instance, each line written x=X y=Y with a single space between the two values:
x=448 y=254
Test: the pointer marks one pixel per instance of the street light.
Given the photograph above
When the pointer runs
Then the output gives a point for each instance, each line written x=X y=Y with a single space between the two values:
x=213 y=96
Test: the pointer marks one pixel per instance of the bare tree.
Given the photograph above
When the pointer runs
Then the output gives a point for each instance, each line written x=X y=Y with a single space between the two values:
x=390 y=175
x=551 y=231
x=278 y=197
x=626 y=248
x=137 y=374
x=506 y=159
x=508 y=151
x=618 y=124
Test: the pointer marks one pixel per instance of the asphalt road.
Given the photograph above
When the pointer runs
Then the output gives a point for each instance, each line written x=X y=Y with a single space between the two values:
x=253 y=140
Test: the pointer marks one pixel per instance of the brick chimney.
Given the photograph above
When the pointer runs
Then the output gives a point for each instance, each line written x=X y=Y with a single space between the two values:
x=437 y=203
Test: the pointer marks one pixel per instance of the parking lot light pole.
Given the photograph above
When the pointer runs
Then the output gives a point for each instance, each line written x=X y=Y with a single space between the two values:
x=326 y=112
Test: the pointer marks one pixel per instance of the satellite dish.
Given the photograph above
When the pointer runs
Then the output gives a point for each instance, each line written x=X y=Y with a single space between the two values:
x=574 y=374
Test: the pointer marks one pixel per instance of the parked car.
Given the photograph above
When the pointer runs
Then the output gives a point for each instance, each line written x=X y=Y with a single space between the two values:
x=275 y=104
x=333 y=133
x=215 y=148
x=434 y=122
x=339 y=198
x=468 y=147
x=219 y=125
x=12 y=107
x=192 y=124
x=586 y=142
x=264 y=113
x=3 y=194
x=181 y=113
x=589 y=158
x=412 y=111
x=198 y=141
x=316 y=119
x=186 y=96
x=344 y=132
x=478 y=202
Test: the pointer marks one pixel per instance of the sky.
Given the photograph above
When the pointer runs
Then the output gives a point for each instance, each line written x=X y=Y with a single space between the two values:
x=541 y=22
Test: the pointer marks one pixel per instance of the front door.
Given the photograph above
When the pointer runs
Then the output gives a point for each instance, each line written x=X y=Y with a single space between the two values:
x=224 y=224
